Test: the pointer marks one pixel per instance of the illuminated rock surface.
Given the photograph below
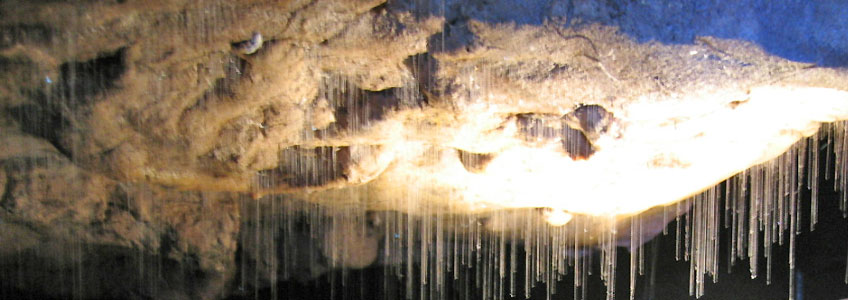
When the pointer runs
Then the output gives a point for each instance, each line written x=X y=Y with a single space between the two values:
x=191 y=140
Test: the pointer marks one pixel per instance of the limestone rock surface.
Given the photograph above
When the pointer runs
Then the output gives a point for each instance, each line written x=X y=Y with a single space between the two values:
x=154 y=132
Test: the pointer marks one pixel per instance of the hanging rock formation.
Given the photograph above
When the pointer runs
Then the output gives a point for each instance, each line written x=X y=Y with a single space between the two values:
x=140 y=131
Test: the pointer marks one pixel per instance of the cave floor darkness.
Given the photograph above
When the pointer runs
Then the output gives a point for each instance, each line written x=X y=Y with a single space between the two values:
x=820 y=261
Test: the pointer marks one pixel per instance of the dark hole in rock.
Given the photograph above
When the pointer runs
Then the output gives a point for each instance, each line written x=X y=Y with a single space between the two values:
x=474 y=162
x=80 y=81
x=41 y=122
x=423 y=66
x=379 y=8
x=359 y=109
x=592 y=119
x=545 y=128
x=538 y=127
x=306 y=167
x=575 y=143
x=234 y=68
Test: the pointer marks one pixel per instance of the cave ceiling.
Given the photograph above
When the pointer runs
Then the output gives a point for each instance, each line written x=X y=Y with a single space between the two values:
x=144 y=125
x=462 y=106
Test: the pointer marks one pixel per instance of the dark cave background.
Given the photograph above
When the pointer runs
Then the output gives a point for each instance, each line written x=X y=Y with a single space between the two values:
x=820 y=269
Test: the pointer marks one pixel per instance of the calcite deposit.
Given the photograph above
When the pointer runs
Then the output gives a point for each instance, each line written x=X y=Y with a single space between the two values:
x=168 y=135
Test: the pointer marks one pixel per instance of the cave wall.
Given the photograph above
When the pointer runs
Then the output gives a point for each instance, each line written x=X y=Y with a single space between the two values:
x=134 y=132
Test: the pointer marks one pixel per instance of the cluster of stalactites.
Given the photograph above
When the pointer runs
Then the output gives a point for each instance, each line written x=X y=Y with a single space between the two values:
x=758 y=208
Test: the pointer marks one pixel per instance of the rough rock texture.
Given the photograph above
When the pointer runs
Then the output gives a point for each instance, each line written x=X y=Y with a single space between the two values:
x=94 y=237
x=133 y=131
